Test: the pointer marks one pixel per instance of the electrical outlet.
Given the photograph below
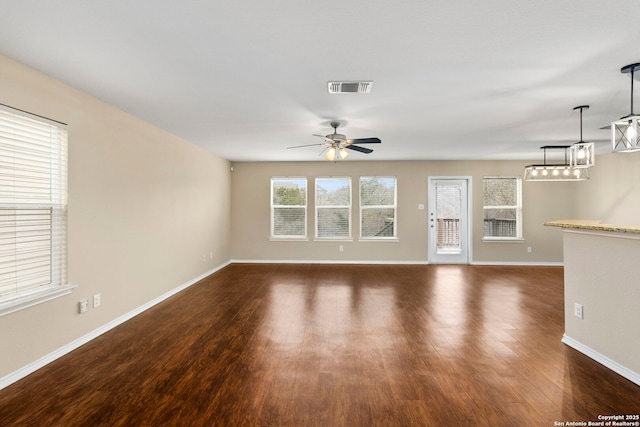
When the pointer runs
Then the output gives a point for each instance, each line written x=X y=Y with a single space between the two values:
x=577 y=310
x=83 y=306
x=529 y=249
x=341 y=248
x=96 y=300
x=211 y=255
x=204 y=257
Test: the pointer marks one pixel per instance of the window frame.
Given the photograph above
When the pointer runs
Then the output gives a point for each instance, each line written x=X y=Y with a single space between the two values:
x=272 y=235
x=18 y=125
x=349 y=207
x=393 y=206
x=518 y=211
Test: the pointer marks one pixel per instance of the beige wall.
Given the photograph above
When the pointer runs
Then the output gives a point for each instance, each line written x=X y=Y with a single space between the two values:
x=144 y=208
x=542 y=201
x=612 y=195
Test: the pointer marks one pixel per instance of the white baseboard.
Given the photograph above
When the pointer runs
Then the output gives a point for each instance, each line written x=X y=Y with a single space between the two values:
x=518 y=263
x=320 y=261
x=602 y=359
x=34 y=366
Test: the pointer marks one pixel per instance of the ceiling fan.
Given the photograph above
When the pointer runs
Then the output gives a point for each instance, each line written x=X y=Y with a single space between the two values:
x=336 y=144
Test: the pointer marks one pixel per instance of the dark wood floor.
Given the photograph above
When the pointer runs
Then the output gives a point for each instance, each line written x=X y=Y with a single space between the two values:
x=333 y=345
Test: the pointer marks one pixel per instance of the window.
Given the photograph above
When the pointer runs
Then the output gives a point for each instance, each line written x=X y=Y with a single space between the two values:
x=289 y=208
x=333 y=208
x=377 y=207
x=33 y=210
x=502 y=208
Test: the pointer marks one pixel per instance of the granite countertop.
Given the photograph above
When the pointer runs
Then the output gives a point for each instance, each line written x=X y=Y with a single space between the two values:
x=585 y=224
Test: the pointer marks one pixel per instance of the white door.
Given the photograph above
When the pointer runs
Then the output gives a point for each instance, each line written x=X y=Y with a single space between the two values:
x=448 y=220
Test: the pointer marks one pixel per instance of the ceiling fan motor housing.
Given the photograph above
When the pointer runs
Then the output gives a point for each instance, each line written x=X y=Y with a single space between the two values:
x=336 y=137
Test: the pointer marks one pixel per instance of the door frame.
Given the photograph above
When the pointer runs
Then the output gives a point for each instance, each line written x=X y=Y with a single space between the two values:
x=469 y=236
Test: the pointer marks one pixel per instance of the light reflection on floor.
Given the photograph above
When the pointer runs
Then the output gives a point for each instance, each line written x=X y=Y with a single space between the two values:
x=463 y=316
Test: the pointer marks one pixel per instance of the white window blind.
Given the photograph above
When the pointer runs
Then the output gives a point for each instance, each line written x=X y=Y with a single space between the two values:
x=333 y=208
x=33 y=209
x=289 y=207
x=377 y=207
x=502 y=208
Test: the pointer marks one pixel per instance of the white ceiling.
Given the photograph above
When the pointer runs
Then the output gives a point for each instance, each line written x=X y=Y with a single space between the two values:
x=455 y=79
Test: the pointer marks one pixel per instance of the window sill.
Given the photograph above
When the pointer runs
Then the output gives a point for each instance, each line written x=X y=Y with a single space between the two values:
x=502 y=240
x=288 y=239
x=23 y=301
x=380 y=240
x=329 y=239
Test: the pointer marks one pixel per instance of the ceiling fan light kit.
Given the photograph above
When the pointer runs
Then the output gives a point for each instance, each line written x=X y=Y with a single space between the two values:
x=335 y=152
x=625 y=133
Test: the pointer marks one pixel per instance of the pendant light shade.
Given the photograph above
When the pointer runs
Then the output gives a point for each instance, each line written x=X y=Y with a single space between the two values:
x=555 y=173
x=582 y=154
x=625 y=133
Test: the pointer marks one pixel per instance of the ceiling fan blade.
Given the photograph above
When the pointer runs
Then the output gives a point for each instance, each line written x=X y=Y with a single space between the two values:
x=363 y=141
x=306 y=145
x=360 y=149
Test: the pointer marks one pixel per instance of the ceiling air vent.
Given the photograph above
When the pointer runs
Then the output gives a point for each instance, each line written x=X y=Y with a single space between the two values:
x=350 y=87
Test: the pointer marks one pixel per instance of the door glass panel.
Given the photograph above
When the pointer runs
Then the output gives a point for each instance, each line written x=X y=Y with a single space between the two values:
x=448 y=213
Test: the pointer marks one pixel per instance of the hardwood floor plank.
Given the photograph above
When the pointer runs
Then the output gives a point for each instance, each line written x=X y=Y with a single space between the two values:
x=340 y=345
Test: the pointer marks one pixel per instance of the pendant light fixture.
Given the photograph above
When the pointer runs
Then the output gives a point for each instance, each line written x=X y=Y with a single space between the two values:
x=555 y=171
x=581 y=154
x=625 y=133
x=578 y=158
